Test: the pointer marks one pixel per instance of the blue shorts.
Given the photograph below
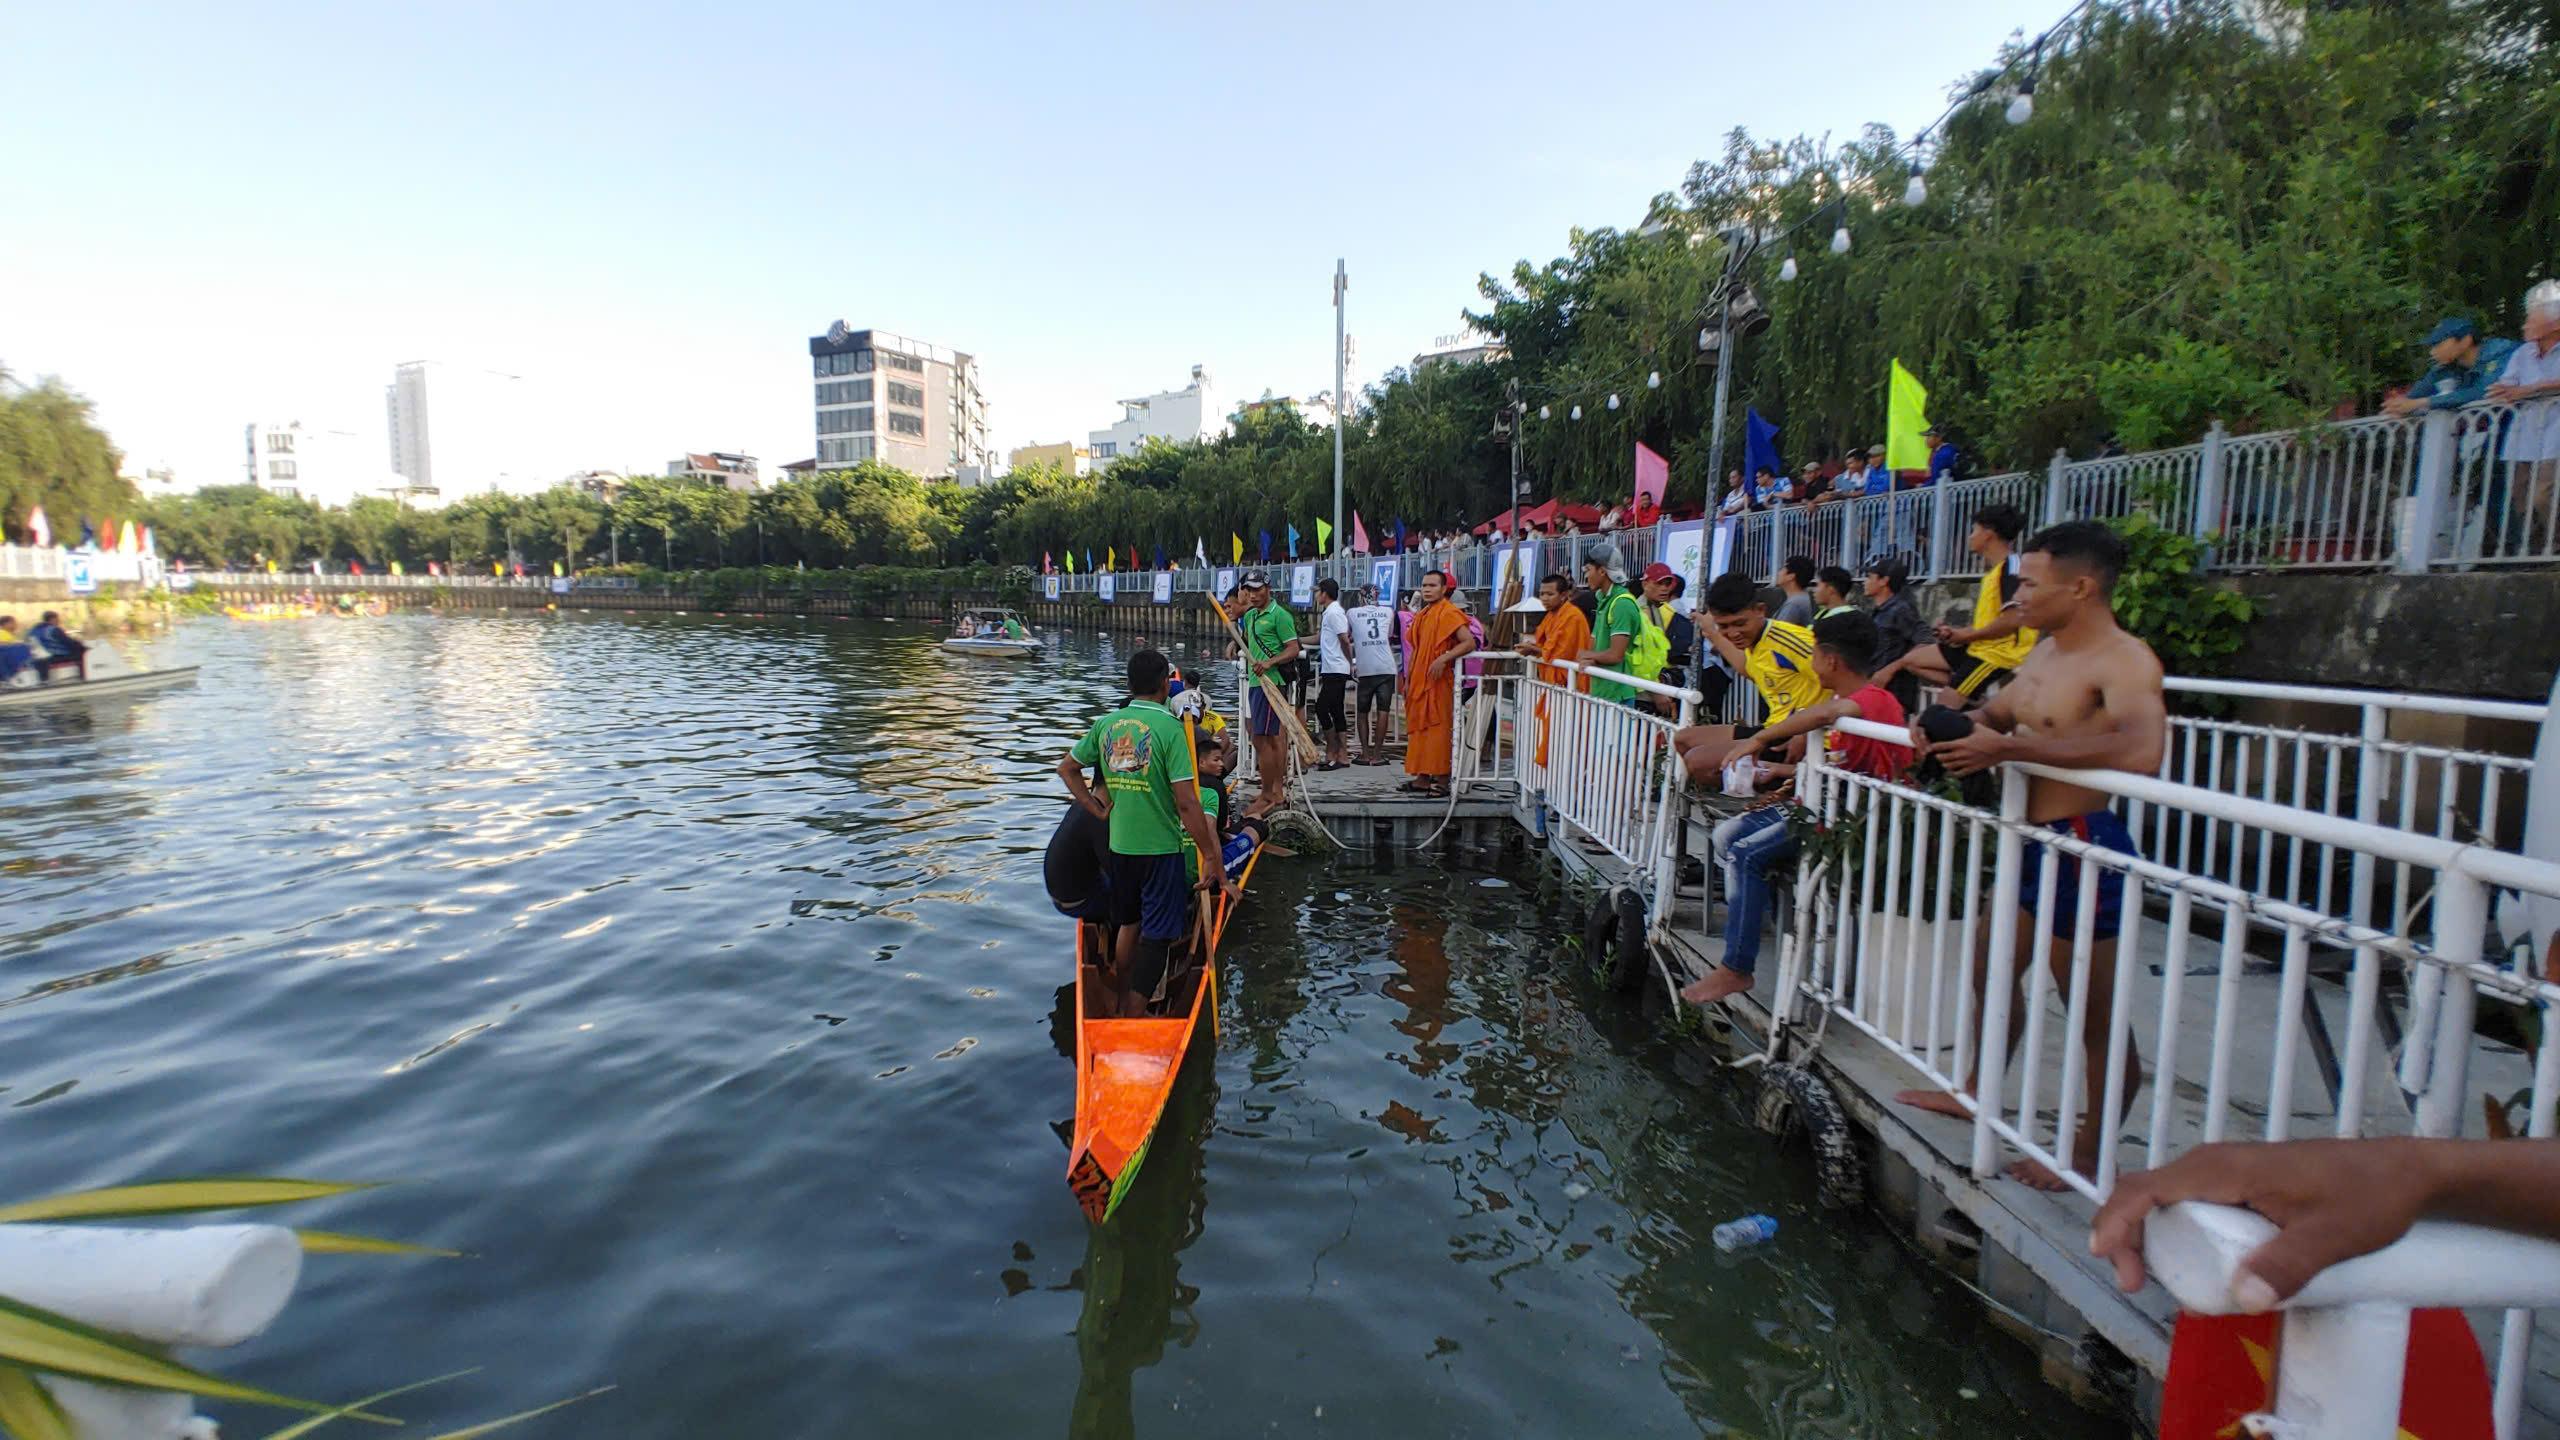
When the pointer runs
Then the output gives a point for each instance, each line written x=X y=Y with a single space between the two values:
x=1259 y=718
x=1238 y=847
x=1152 y=892
x=2101 y=828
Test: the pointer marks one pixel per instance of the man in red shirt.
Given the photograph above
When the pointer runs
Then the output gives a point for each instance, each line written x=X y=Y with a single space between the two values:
x=1844 y=648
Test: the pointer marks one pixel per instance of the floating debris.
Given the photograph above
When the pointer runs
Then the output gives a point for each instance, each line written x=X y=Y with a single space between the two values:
x=1575 y=1190
x=1493 y=882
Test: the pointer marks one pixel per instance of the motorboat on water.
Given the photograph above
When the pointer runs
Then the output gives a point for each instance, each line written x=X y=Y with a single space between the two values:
x=994 y=632
x=104 y=675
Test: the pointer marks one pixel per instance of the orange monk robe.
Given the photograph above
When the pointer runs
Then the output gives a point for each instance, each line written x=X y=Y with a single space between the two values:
x=1565 y=633
x=1429 y=698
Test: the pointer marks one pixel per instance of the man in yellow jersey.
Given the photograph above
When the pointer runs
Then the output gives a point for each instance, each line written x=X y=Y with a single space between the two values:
x=1775 y=656
x=1975 y=658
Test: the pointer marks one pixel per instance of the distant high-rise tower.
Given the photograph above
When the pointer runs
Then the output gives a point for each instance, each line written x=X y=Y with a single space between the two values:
x=456 y=431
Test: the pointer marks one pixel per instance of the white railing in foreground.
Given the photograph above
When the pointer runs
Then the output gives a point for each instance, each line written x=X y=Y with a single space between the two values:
x=1907 y=936
x=2345 y=1335
x=1605 y=766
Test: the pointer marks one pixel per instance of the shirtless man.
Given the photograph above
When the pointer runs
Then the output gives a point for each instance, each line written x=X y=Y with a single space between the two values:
x=2089 y=699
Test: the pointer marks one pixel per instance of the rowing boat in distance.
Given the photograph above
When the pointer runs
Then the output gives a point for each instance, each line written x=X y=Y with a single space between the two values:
x=994 y=633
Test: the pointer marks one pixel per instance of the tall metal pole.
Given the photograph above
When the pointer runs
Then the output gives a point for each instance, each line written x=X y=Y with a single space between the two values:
x=1341 y=282
x=1724 y=390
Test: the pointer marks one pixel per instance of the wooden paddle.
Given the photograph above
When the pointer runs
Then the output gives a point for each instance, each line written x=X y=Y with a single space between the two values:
x=1307 y=751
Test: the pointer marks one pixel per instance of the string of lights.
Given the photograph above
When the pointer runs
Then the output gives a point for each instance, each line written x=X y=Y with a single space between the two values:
x=1915 y=192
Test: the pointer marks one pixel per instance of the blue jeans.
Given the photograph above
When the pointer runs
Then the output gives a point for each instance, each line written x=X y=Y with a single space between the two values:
x=1747 y=845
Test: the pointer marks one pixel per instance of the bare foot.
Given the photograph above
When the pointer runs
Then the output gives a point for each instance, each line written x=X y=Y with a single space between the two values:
x=2036 y=1175
x=1944 y=1102
x=1720 y=984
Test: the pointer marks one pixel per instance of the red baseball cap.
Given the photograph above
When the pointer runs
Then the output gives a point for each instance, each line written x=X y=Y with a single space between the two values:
x=1659 y=571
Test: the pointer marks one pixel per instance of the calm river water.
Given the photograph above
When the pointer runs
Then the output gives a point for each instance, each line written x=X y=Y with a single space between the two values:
x=695 y=977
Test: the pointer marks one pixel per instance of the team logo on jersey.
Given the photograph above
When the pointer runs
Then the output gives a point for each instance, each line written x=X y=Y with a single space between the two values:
x=1131 y=746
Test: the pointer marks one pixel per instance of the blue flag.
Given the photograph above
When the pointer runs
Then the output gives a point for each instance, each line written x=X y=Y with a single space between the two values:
x=1088 y=559
x=1399 y=537
x=1293 y=542
x=88 y=534
x=1759 y=447
x=1266 y=545
x=1159 y=557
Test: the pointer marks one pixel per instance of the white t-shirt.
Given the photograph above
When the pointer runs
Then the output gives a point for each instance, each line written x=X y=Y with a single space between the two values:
x=1329 y=632
x=1373 y=636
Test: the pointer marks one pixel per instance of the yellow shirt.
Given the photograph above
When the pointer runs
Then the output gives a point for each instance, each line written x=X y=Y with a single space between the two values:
x=1781 y=665
x=2009 y=650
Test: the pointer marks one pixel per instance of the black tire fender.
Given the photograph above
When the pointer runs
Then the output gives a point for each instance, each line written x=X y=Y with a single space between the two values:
x=1793 y=1097
x=1633 y=959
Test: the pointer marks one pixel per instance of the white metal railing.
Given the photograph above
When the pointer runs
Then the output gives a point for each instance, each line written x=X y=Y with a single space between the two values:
x=1889 y=933
x=29 y=562
x=305 y=580
x=1606 y=767
x=2345 y=1334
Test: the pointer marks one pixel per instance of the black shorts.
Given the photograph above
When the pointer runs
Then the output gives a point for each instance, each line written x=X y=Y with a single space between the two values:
x=1329 y=712
x=1972 y=677
x=1377 y=692
x=1152 y=892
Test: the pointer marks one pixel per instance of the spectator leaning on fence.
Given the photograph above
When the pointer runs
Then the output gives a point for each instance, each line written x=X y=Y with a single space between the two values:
x=1777 y=658
x=2532 y=374
x=2464 y=366
x=1750 y=843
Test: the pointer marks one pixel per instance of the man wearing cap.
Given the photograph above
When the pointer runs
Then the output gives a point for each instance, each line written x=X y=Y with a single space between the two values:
x=1270 y=643
x=1615 y=621
x=1663 y=587
x=1439 y=639
x=2465 y=366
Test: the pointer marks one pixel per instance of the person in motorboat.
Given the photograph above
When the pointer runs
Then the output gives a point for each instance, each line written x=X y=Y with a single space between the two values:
x=56 y=648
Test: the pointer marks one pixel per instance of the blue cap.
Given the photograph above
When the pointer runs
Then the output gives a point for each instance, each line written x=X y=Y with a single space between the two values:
x=2453 y=327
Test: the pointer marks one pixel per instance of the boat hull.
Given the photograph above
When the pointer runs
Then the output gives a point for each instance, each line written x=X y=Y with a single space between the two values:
x=105 y=687
x=993 y=649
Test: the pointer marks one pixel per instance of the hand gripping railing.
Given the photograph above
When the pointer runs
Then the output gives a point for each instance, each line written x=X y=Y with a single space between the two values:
x=2346 y=1333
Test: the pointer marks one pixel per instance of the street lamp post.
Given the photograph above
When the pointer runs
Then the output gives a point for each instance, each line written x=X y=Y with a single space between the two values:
x=1341 y=282
x=1738 y=247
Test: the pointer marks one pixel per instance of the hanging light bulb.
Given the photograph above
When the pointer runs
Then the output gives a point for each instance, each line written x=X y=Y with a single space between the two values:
x=1613 y=399
x=1706 y=337
x=1840 y=241
x=2023 y=109
x=1542 y=412
x=1787 y=268
x=1577 y=412
x=1653 y=381
x=1917 y=192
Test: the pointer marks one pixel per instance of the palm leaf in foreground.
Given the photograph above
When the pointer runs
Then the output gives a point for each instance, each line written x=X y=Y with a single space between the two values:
x=41 y=1340
x=471 y=1432
x=176 y=1197
x=28 y=1410
x=300 y=1428
x=331 y=1242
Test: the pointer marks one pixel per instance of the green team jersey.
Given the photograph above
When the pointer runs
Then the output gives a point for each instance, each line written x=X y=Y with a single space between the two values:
x=1615 y=615
x=1143 y=754
x=1209 y=806
x=1268 y=629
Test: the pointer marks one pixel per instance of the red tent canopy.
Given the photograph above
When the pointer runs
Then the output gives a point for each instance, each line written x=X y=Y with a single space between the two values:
x=1538 y=517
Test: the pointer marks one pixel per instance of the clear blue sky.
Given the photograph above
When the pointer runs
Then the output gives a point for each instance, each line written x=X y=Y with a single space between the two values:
x=223 y=213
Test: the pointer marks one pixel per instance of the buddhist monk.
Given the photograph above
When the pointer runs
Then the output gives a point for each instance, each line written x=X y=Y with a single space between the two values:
x=1563 y=634
x=1439 y=639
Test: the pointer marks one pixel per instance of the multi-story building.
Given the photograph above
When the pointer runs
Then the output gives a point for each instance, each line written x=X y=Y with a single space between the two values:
x=310 y=462
x=1181 y=416
x=457 y=431
x=886 y=397
x=1067 y=456
x=738 y=472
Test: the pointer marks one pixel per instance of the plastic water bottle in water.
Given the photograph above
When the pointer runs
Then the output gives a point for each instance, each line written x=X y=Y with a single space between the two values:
x=1750 y=1230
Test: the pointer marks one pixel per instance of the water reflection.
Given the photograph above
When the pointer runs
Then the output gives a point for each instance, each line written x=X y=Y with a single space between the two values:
x=1134 y=1299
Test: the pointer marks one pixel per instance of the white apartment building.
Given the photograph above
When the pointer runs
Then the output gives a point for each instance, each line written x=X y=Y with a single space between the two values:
x=457 y=430
x=920 y=407
x=310 y=462
x=738 y=472
x=1181 y=416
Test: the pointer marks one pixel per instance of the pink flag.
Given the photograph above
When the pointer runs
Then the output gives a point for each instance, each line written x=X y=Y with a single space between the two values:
x=1359 y=535
x=1653 y=476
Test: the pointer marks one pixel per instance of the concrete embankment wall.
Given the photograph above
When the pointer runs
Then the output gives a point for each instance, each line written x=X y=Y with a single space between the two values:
x=81 y=614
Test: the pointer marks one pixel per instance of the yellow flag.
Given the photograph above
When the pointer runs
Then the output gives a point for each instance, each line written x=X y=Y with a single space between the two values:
x=1906 y=415
x=1324 y=537
x=1071 y=562
x=497 y=569
x=1239 y=542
